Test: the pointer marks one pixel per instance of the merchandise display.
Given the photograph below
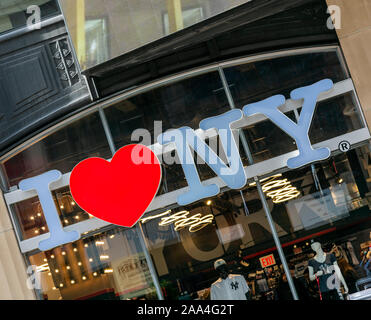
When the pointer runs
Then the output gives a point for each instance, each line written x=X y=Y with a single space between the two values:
x=324 y=269
x=228 y=286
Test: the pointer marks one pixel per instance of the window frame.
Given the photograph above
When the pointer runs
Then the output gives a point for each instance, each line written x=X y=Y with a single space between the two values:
x=260 y=169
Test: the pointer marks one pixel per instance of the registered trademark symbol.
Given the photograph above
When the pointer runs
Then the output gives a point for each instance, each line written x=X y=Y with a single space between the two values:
x=344 y=146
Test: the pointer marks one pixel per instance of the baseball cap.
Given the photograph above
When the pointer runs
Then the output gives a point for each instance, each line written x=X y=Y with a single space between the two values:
x=219 y=263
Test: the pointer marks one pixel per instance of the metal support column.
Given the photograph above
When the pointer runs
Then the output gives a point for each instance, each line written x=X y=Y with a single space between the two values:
x=261 y=193
x=139 y=229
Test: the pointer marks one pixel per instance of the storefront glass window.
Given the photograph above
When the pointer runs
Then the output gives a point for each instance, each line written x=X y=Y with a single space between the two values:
x=184 y=103
x=259 y=80
x=255 y=81
x=335 y=117
x=236 y=231
x=107 y=266
x=332 y=206
x=31 y=218
x=14 y=13
x=61 y=150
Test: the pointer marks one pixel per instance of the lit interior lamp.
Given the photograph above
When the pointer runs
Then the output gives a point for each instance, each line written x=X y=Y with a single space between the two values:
x=65 y=221
x=77 y=217
x=108 y=270
x=279 y=190
x=99 y=243
x=43 y=228
x=208 y=202
x=339 y=180
x=56 y=270
x=52 y=256
x=61 y=285
x=32 y=218
x=72 y=281
x=49 y=274
x=104 y=257
x=95 y=274
x=63 y=253
x=36 y=231
x=75 y=249
x=68 y=267
x=54 y=288
x=112 y=236
x=73 y=203
x=90 y=260
x=39 y=214
x=62 y=206
x=83 y=278
x=79 y=264
x=85 y=245
x=45 y=260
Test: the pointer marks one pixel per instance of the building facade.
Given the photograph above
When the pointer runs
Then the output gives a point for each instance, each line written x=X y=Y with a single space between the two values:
x=96 y=76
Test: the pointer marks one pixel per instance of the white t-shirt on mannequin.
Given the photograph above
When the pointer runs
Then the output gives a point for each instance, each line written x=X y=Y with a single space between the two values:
x=234 y=287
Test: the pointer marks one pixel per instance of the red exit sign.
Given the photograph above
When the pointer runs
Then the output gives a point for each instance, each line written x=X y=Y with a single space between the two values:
x=267 y=261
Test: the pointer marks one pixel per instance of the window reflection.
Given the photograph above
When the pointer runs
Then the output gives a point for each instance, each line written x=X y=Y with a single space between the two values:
x=258 y=80
x=61 y=150
x=335 y=117
x=184 y=103
x=109 y=265
x=13 y=14
x=31 y=218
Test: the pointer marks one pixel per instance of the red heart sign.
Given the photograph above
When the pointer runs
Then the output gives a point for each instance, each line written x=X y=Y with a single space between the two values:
x=119 y=191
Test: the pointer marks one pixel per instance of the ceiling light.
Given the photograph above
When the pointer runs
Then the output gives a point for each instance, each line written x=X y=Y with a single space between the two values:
x=108 y=270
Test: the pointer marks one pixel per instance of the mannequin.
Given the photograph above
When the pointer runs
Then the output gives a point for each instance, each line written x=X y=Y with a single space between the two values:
x=228 y=286
x=324 y=267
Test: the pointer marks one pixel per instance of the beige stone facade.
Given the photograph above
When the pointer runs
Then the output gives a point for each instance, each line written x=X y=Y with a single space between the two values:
x=13 y=275
x=355 y=40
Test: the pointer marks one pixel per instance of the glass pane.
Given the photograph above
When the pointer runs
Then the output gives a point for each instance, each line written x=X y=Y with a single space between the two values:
x=13 y=13
x=233 y=226
x=185 y=103
x=331 y=206
x=335 y=117
x=266 y=140
x=255 y=81
x=30 y=216
x=61 y=150
x=145 y=22
x=107 y=266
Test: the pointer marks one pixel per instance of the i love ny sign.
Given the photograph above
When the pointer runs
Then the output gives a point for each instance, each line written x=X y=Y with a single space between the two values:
x=120 y=191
